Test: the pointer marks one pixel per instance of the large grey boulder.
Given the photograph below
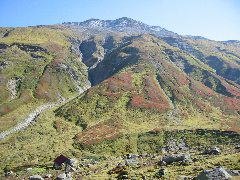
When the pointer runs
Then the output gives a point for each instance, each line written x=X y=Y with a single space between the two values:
x=168 y=159
x=64 y=176
x=74 y=163
x=36 y=177
x=214 y=174
x=214 y=151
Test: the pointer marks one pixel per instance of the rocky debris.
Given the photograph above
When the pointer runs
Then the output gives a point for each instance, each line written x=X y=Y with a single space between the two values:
x=36 y=177
x=12 y=87
x=64 y=176
x=168 y=159
x=73 y=163
x=30 y=48
x=119 y=168
x=145 y=155
x=29 y=169
x=173 y=145
x=131 y=162
x=75 y=78
x=237 y=147
x=234 y=172
x=131 y=156
x=3 y=65
x=213 y=151
x=48 y=176
x=123 y=175
x=214 y=174
x=184 y=177
x=8 y=173
x=162 y=172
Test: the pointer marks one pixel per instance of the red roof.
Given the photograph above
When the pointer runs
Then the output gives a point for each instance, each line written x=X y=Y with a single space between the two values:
x=61 y=159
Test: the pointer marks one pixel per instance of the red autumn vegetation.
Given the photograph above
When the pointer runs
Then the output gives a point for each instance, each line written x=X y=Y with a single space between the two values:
x=99 y=132
x=152 y=97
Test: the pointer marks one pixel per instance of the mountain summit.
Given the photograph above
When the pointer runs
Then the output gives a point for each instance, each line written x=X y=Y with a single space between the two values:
x=123 y=24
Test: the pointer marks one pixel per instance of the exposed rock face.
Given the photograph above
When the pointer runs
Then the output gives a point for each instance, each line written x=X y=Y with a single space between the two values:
x=123 y=24
x=214 y=174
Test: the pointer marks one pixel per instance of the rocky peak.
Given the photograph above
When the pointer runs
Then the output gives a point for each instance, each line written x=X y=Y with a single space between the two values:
x=123 y=24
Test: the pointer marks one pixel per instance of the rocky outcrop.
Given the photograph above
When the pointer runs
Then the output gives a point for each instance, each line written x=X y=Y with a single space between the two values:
x=12 y=87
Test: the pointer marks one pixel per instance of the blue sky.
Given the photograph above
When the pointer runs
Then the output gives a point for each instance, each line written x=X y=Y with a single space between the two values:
x=214 y=19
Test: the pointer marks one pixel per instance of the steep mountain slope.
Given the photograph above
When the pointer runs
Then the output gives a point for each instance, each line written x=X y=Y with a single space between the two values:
x=38 y=63
x=147 y=81
x=221 y=56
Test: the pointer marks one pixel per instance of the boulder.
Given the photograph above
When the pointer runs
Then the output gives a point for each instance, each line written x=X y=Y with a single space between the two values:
x=36 y=177
x=131 y=156
x=214 y=174
x=131 y=162
x=29 y=169
x=73 y=162
x=64 y=176
x=48 y=176
x=184 y=177
x=123 y=175
x=214 y=151
x=234 y=172
x=9 y=173
x=168 y=159
x=161 y=173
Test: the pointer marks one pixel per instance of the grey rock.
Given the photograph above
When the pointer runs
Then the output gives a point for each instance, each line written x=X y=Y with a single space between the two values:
x=161 y=172
x=214 y=151
x=131 y=162
x=9 y=173
x=184 y=177
x=64 y=176
x=36 y=177
x=214 y=174
x=29 y=169
x=48 y=176
x=168 y=159
x=234 y=172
